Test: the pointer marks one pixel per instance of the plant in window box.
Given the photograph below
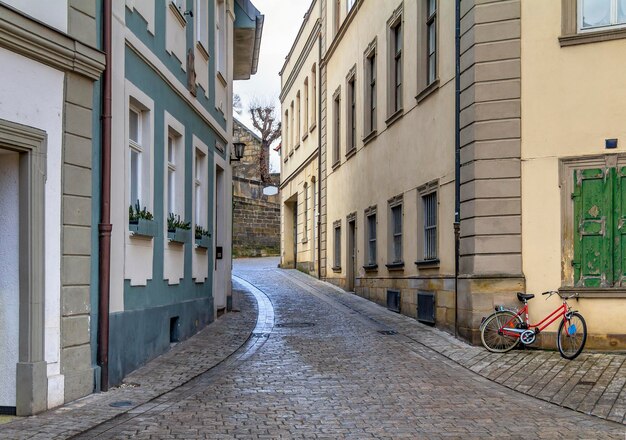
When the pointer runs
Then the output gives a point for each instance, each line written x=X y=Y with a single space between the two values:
x=178 y=231
x=141 y=222
x=202 y=237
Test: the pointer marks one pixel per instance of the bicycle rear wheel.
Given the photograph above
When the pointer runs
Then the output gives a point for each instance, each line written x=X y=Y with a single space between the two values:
x=490 y=334
x=572 y=335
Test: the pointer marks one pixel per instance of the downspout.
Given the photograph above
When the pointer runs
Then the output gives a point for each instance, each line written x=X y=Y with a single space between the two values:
x=319 y=160
x=457 y=160
x=105 y=226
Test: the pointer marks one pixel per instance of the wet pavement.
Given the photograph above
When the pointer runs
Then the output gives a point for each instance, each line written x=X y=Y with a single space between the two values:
x=324 y=364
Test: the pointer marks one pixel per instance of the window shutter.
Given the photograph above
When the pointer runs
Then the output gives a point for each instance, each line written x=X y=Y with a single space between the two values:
x=592 y=256
x=619 y=237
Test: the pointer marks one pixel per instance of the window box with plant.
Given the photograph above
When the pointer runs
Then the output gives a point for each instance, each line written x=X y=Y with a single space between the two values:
x=141 y=222
x=178 y=231
x=203 y=237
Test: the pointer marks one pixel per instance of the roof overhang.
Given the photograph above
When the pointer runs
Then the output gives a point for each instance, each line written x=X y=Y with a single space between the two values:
x=247 y=39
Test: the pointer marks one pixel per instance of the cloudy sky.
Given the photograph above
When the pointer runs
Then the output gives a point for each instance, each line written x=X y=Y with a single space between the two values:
x=282 y=22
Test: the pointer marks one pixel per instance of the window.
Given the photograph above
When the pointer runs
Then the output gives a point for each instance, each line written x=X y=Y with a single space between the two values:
x=429 y=202
x=394 y=228
x=199 y=183
x=313 y=95
x=337 y=127
x=599 y=242
x=337 y=16
x=286 y=137
x=174 y=168
x=370 y=237
x=350 y=4
x=397 y=68
x=594 y=14
x=370 y=91
x=135 y=149
x=297 y=127
x=394 y=64
x=305 y=118
x=305 y=212
x=431 y=31
x=171 y=175
x=220 y=32
x=202 y=23
x=337 y=244
x=351 y=122
x=293 y=128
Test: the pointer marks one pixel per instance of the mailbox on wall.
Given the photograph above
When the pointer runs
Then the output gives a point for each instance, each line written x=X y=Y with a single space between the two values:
x=219 y=253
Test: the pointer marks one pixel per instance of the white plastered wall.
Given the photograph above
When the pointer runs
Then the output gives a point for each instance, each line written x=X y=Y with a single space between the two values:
x=173 y=254
x=35 y=98
x=146 y=9
x=175 y=35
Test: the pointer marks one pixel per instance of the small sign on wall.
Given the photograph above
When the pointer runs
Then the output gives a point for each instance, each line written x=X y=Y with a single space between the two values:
x=219 y=254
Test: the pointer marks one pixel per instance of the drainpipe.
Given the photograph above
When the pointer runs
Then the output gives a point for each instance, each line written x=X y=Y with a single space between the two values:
x=457 y=160
x=319 y=159
x=105 y=226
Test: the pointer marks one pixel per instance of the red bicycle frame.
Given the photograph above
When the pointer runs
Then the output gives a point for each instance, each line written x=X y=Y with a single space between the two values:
x=556 y=314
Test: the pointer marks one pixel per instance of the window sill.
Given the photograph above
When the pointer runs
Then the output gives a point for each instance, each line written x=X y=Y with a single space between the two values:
x=367 y=139
x=291 y=153
x=285 y=159
x=592 y=37
x=427 y=91
x=179 y=15
x=312 y=127
x=336 y=165
x=221 y=78
x=350 y=153
x=394 y=117
x=427 y=264
x=296 y=146
x=370 y=268
x=336 y=269
x=305 y=136
x=395 y=266
x=595 y=292
x=202 y=50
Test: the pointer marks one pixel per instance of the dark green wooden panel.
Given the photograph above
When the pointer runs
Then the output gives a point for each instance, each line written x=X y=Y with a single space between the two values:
x=619 y=238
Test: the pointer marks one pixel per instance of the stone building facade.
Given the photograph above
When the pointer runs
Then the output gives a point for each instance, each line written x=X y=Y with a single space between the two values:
x=256 y=216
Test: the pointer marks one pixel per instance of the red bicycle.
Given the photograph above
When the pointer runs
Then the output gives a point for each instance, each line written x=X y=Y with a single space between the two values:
x=504 y=329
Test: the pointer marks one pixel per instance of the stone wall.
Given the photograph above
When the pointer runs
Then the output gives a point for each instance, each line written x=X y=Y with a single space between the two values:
x=256 y=228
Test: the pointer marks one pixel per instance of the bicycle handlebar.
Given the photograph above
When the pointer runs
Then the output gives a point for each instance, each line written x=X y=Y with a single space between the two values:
x=552 y=292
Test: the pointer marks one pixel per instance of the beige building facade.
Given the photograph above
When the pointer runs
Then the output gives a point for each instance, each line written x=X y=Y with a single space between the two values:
x=458 y=169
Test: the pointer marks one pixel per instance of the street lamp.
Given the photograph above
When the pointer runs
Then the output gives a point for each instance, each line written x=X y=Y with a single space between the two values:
x=238 y=148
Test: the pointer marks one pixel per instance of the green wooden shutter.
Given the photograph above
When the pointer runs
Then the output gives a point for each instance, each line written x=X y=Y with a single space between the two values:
x=619 y=228
x=592 y=247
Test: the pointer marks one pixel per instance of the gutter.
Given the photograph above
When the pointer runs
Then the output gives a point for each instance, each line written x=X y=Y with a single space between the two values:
x=457 y=159
x=260 y=19
x=105 y=227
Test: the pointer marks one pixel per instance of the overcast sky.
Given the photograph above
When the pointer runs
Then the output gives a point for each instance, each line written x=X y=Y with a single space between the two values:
x=282 y=22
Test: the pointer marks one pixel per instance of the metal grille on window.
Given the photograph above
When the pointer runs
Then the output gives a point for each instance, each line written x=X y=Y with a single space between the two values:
x=396 y=214
x=430 y=226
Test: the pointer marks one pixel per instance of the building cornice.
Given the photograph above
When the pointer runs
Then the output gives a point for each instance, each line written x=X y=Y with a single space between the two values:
x=313 y=36
x=341 y=32
x=35 y=40
x=295 y=41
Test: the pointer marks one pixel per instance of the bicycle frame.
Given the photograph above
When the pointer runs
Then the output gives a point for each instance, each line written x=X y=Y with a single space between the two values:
x=540 y=326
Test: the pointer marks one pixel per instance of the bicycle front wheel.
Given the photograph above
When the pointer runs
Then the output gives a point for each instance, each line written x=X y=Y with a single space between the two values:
x=572 y=335
x=490 y=334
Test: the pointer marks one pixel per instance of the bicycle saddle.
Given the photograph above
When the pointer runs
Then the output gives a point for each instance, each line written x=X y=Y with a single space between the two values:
x=524 y=296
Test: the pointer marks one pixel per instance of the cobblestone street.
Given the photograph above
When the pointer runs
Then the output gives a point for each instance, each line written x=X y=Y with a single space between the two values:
x=316 y=367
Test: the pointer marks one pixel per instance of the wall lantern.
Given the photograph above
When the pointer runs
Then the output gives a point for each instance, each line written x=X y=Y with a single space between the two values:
x=238 y=148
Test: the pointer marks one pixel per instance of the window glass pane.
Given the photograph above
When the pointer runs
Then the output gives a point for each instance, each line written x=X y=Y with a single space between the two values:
x=397 y=248
x=170 y=191
x=596 y=13
x=198 y=206
x=621 y=11
x=397 y=219
x=134 y=176
x=432 y=6
x=398 y=38
x=432 y=42
x=133 y=126
x=170 y=150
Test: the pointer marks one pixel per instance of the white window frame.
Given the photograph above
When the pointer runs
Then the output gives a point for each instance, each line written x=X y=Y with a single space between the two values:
x=614 y=24
x=220 y=38
x=200 y=184
x=136 y=147
x=176 y=130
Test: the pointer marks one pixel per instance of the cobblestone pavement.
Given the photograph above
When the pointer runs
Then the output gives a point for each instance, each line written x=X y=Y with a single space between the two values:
x=317 y=367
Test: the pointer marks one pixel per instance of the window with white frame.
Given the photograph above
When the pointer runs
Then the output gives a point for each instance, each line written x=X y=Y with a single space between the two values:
x=292 y=142
x=285 y=146
x=175 y=170
x=200 y=189
x=305 y=117
x=220 y=32
x=297 y=127
x=135 y=149
x=313 y=94
x=594 y=14
x=370 y=237
x=202 y=23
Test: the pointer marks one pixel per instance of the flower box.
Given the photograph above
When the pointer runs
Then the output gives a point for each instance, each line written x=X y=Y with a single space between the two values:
x=179 y=235
x=144 y=228
x=203 y=242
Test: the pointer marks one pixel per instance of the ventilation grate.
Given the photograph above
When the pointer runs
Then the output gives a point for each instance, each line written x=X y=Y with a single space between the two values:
x=393 y=300
x=426 y=307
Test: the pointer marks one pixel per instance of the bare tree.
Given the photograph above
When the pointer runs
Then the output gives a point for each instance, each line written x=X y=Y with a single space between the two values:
x=265 y=120
x=237 y=107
